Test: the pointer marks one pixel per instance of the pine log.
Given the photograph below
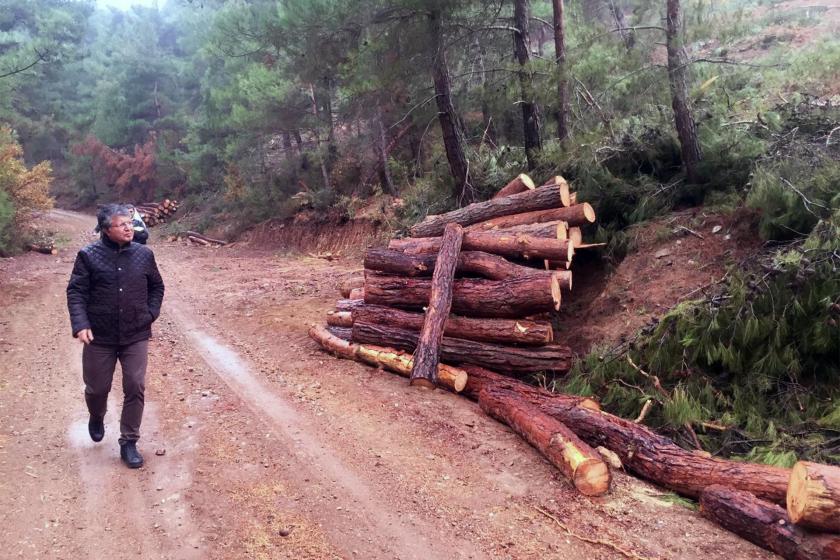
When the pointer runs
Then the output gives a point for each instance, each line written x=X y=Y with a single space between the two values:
x=348 y=285
x=537 y=199
x=557 y=229
x=340 y=319
x=499 y=331
x=813 y=496
x=427 y=354
x=505 y=359
x=764 y=524
x=348 y=304
x=471 y=297
x=357 y=293
x=576 y=236
x=660 y=460
x=576 y=215
x=205 y=238
x=565 y=194
x=451 y=378
x=513 y=245
x=198 y=241
x=520 y=183
x=43 y=248
x=492 y=267
x=576 y=460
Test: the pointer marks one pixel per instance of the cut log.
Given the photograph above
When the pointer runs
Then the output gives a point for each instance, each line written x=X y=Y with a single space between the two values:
x=478 y=263
x=565 y=194
x=766 y=525
x=204 y=238
x=340 y=319
x=575 y=215
x=537 y=199
x=198 y=241
x=348 y=304
x=357 y=293
x=573 y=199
x=427 y=354
x=813 y=496
x=44 y=248
x=660 y=460
x=513 y=245
x=520 y=183
x=576 y=236
x=505 y=359
x=576 y=460
x=348 y=285
x=557 y=229
x=499 y=331
x=451 y=378
x=471 y=297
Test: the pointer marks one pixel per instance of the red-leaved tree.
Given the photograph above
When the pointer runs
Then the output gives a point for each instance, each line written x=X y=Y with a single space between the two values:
x=132 y=175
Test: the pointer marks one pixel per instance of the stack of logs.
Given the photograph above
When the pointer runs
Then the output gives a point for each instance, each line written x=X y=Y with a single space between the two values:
x=154 y=213
x=500 y=267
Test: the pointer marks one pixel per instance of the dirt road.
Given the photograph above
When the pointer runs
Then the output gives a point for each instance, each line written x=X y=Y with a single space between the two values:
x=258 y=445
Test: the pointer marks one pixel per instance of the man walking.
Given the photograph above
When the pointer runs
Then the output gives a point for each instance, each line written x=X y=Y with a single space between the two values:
x=114 y=295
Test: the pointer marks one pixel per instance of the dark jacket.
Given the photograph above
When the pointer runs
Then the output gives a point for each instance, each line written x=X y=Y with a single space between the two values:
x=115 y=291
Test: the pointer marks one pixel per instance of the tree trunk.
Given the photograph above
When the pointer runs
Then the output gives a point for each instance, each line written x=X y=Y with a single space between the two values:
x=549 y=230
x=575 y=215
x=450 y=125
x=562 y=113
x=452 y=378
x=481 y=378
x=530 y=109
x=427 y=354
x=382 y=154
x=813 y=496
x=578 y=462
x=678 y=80
x=537 y=199
x=506 y=359
x=348 y=304
x=520 y=183
x=513 y=244
x=514 y=298
x=765 y=524
x=522 y=332
x=489 y=266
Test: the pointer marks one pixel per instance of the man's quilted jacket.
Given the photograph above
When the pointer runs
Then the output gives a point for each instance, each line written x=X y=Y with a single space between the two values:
x=115 y=291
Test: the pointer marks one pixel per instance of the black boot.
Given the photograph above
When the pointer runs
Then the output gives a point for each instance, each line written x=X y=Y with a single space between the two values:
x=130 y=456
x=96 y=428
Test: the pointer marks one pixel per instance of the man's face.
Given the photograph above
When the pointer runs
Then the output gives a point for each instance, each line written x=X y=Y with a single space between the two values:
x=121 y=231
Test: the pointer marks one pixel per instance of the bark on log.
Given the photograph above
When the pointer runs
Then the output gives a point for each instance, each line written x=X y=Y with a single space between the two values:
x=204 y=238
x=515 y=298
x=575 y=215
x=506 y=359
x=45 y=249
x=513 y=245
x=764 y=524
x=348 y=285
x=348 y=304
x=813 y=496
x=557 y=229
x=660 y=460
x=520 y=183
x=451 y=378
x=565 y=192
x=492 y=267
x=427 y=354
x=537 y=199
x=576 y=460
x=499 y=331
x=340 y=319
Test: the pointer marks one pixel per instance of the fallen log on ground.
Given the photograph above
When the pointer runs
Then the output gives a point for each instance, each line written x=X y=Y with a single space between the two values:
x=537 y=199
x=499 y=331
x=505 y=359
x=520 y=183
x=44 y=248
x=481 y=378
x=348 y=285
x=492 y=267
x=204 y=238
x=471 y=297
x=514 y=244
x=340 y=319
x=576 y=216
x=449 y=377
x=557 y=229
x=348 y=304
x=766 y=525
x=813 y=496
x=565 y=193
x=427 y=354
x=575 y=459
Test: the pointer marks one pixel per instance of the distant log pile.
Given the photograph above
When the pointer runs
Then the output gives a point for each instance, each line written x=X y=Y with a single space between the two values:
x=154 y=213
x=470 y=294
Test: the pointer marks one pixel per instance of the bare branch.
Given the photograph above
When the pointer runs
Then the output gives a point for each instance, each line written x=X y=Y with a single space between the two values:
x=42 y=57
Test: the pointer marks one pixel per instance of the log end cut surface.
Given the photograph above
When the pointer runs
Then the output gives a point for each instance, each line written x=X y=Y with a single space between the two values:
x=813 y=496
x=592 y=478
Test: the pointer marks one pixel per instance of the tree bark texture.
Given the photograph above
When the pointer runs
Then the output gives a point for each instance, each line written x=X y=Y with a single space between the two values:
x=481 y=378
x=537 y=199
x=530 y=109
x=562 y=113
x=578 y=462
x=506 y=359
x=450 y=124
x=520 y=183
x=340 y=319
x=521 y=332
x=515 y=298
x=576 y=215
x=427 y=354
x=565 y=190
x=766 y=525
x=678 y=80
x=513 y=244
x=348 y=304
x=813 y=496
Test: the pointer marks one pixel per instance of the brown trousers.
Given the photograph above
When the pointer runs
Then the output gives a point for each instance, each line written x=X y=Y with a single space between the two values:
x=98 y=364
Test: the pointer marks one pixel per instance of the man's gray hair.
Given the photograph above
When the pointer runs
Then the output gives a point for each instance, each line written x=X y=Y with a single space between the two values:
x=108 y=211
